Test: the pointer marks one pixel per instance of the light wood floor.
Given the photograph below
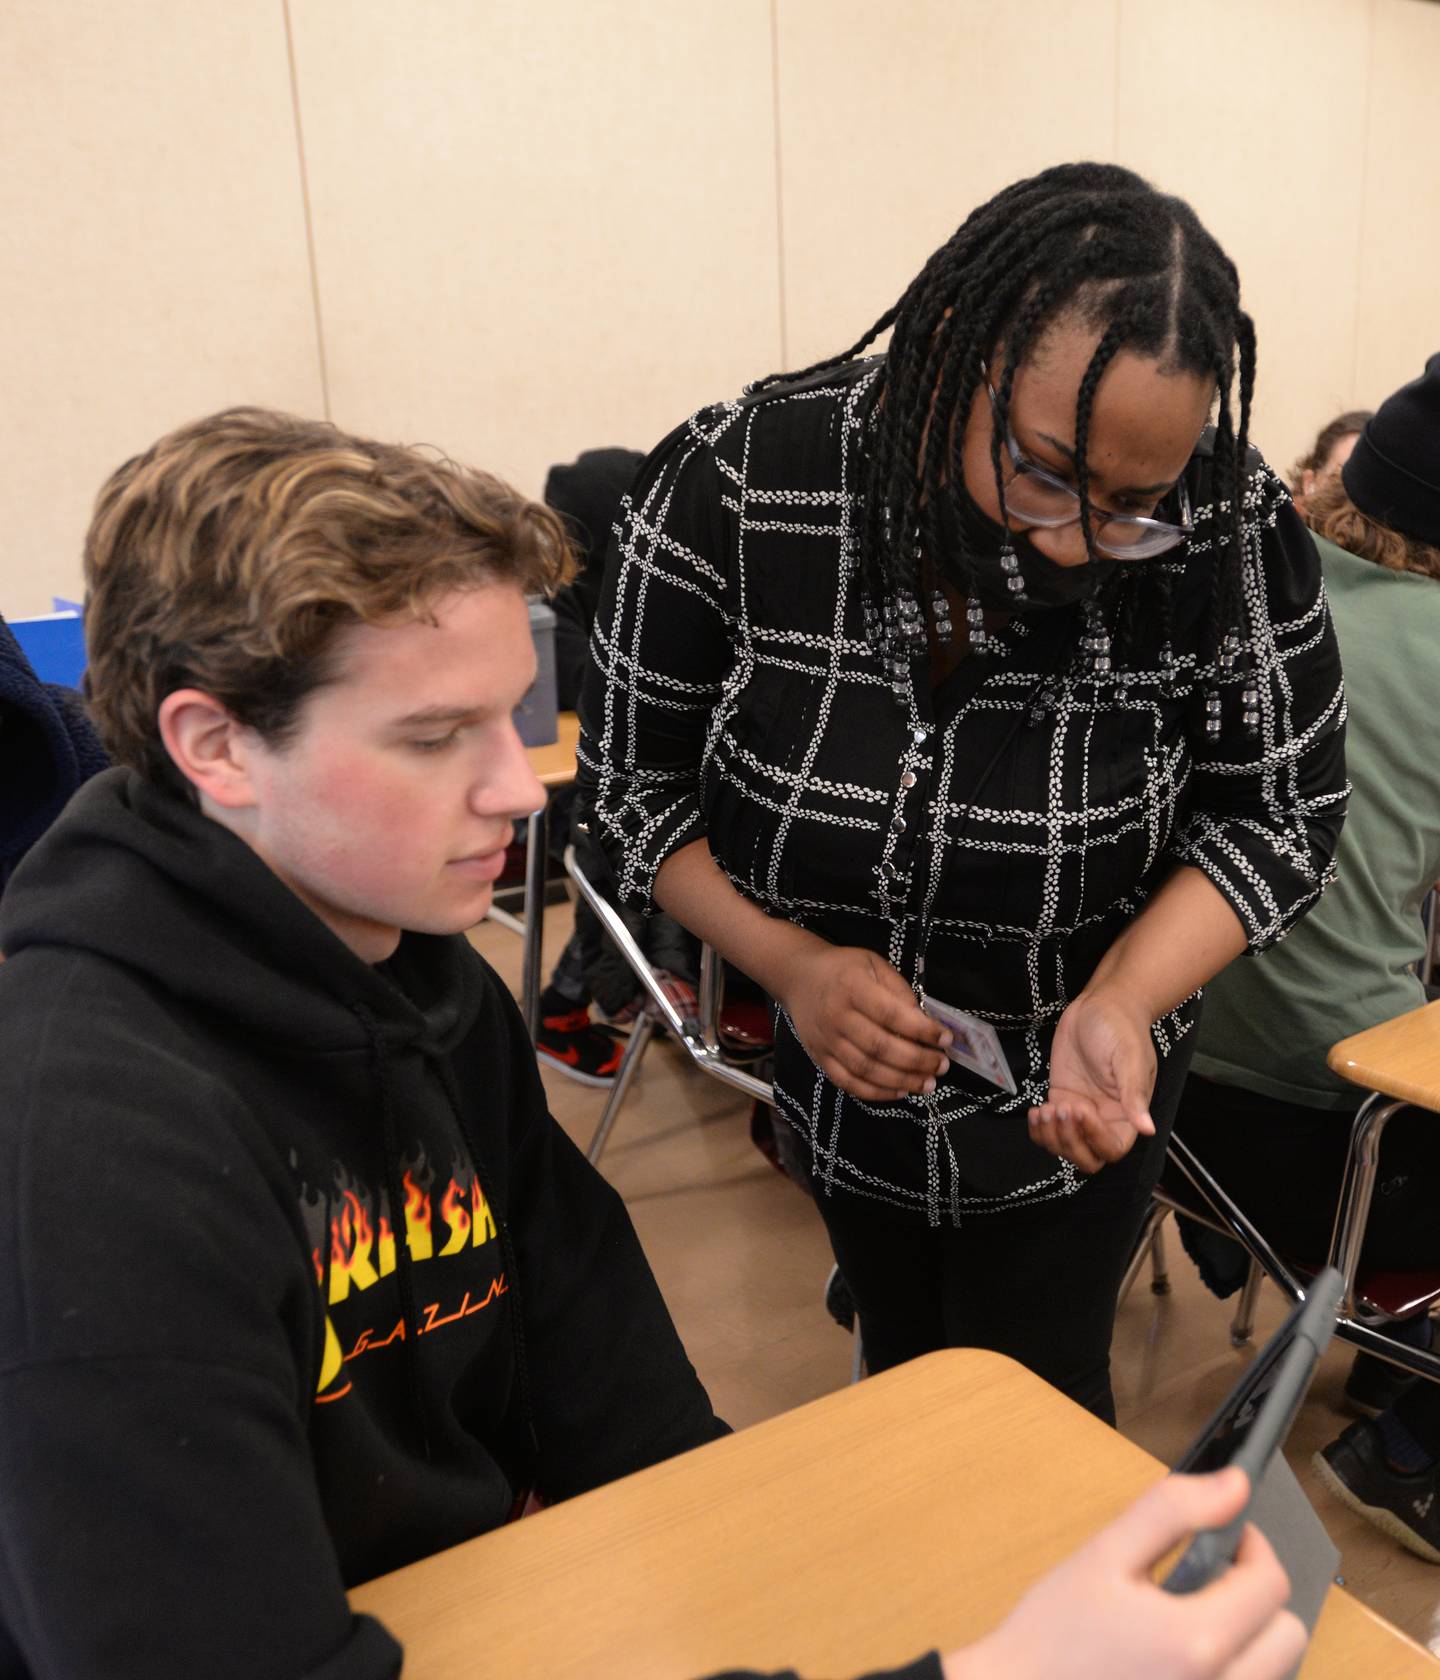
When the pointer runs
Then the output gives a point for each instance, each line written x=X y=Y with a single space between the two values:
x=741 y=1257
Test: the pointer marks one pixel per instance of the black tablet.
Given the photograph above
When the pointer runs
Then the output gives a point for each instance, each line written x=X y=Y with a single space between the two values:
x=1254 y=1419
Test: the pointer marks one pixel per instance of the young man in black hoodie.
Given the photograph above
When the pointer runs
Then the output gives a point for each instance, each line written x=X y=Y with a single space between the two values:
x=301 y=1281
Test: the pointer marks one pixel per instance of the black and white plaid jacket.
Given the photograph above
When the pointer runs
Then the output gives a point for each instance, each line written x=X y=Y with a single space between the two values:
x=990 y=837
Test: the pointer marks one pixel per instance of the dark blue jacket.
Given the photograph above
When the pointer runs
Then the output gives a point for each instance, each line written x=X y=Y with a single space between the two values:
x=48 y=747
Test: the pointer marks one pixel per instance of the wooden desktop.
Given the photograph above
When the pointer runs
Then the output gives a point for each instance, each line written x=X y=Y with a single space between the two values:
x=904 y=1513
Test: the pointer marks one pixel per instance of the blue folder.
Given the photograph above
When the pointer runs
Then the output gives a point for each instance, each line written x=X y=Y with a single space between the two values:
x=54 y=644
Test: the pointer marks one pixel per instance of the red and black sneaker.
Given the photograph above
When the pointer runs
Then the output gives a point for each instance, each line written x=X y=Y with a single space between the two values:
x=571 y=1043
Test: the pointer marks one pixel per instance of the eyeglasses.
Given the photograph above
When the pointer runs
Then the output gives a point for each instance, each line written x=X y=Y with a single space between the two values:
x=1040 y=497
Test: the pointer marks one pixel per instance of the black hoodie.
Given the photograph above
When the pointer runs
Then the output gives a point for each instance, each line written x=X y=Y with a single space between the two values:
x=226 y=1392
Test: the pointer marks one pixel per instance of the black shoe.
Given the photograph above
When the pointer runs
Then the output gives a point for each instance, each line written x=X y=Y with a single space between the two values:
x=571 y=1043
x=1407 y=1508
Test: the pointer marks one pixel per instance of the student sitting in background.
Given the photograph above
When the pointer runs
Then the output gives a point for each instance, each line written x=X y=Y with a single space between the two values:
x=1329 y=452
x=1261 y=1107
x=303 y=1281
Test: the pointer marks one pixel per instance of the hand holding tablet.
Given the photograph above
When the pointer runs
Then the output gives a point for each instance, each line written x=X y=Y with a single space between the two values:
x=1253 y=1420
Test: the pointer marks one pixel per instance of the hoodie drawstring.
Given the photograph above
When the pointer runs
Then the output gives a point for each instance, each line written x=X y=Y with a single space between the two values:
x=507 y=1248
x=404 y=1265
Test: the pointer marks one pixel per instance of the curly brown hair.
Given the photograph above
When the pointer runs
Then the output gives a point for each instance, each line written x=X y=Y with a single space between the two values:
x=1330 y=513
x=226 y=557
x=1351 y=423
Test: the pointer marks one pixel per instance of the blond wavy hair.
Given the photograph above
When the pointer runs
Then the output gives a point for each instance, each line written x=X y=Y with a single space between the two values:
x=226 y=558
x=1329 y=512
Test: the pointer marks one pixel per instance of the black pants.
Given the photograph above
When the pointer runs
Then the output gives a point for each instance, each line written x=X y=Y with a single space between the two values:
x=1282 y=1164
x=1039 y=1283
x=1419 y=1409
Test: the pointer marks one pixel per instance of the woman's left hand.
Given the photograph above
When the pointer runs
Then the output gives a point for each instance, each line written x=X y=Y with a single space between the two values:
x=1102 y=1076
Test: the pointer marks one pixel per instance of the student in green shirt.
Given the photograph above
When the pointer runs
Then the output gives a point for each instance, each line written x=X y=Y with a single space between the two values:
x=1261 y=1107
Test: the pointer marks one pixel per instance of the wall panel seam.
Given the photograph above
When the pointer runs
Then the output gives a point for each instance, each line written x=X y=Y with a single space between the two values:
x=309 y=219
x=783 y=300
x=1367 y=141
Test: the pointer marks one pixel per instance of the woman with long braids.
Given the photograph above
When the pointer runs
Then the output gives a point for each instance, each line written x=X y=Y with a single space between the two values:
x=982 y=671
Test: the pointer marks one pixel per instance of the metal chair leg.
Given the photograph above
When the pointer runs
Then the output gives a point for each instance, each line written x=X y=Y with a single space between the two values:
x=640 y=1035
x=1362 y=1166
x=1230 y=1220
x=1159 y=1269
x=1144 y=1245
x=696 y=1037
x=1242 y=1326
x=710 y=996
x=687 y=1031
x=537 y=846
x=857 y=1358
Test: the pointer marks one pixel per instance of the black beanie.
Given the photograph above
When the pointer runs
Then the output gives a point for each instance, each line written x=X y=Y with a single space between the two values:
x=1393 y=474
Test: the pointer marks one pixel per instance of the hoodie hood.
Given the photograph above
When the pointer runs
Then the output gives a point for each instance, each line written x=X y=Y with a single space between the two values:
x=142 y=878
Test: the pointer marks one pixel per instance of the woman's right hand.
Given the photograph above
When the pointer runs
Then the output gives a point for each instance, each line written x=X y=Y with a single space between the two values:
x=856 y=1017
x=860 y=1023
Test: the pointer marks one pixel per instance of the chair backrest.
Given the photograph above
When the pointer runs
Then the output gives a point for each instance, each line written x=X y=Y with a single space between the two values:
x=699 y=1034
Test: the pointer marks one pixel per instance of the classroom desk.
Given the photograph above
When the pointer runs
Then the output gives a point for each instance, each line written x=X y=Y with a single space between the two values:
x=1400 y=1058
x=1397 y=1062
x=906 y=1512
x=555 y=766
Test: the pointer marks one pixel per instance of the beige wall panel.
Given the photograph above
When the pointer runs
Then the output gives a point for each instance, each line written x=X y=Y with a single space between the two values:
x=1399 y=324
x=896 y=121
x=152 y=249
x=1253 y=110
x=539 y=228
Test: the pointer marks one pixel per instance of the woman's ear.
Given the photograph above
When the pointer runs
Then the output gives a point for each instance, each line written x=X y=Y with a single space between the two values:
x=207 y=745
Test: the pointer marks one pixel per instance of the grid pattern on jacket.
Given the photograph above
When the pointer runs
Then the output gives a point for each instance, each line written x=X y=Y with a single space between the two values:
x=990 y=837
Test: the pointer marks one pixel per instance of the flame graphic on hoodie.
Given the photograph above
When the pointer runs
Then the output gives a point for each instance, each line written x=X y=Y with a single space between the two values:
x=362 y=1248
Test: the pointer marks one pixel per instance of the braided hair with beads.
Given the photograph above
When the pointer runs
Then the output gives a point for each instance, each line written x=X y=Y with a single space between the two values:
x=1088 y=240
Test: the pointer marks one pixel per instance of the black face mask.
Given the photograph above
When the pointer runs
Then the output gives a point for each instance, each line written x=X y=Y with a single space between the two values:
x=1047 y=585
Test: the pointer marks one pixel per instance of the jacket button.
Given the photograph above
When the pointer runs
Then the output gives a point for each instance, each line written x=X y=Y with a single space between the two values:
x=908 y=779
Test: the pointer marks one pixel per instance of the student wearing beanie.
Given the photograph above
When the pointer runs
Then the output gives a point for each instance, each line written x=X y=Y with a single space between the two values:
x=1393 y=474
x=1260 y=1107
